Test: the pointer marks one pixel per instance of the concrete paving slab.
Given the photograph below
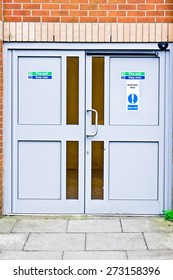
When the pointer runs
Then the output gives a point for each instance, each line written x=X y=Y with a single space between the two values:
x=40 y=225
x=25 y=255
x=159 y=241
x=116 y=241
x=95 y=255
x=6 y=225
x=153 y=224
x=53 y=242
x=150 y=255
x=94 y=226
x=12 y=241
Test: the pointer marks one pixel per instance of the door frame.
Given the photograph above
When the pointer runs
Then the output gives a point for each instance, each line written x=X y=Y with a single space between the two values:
x=7 y=132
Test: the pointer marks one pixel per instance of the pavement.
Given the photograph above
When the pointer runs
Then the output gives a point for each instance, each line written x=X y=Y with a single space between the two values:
x=85 y=238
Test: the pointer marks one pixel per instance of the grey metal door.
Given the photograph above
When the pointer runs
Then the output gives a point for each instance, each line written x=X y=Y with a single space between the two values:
x=48 y=132
x=88 y=142
x=125 y=133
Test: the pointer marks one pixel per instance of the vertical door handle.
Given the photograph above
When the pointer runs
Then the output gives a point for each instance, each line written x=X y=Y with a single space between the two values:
x=96 y=122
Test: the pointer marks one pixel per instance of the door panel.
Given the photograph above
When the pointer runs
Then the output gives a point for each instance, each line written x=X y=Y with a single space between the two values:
x=44 y=133
x=133 y=140
x=148 y=91
x=40 y=90
x=72 y=90
x=133 y=172
x=72 y=169
x=97 y=170
x=39 y=170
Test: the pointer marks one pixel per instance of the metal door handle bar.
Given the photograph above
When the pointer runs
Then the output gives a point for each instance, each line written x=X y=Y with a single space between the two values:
x=96 y=122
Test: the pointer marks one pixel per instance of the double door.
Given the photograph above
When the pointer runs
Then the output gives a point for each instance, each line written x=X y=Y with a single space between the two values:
x=87 y=132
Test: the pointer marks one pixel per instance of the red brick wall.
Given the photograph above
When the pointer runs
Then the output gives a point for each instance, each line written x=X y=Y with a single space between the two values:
x=120 y=11
x=88 y=10
x=1 y=117
x=1 y=127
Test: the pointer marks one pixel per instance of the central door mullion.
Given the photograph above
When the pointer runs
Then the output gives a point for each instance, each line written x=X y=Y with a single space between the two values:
x=88 y=142
x=95 y=118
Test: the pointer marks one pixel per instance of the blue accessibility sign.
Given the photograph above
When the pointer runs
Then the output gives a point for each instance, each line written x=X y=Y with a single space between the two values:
x=132 y=98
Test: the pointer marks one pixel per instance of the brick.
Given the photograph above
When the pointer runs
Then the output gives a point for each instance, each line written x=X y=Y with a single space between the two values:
x=51 y=6
x=164 y=19
x=12 y=6
x=21 y=13
x=50 y=19
x=107 y=32
x=69 y=32
x=107 y=7
x=101 y=32
x=31 y=19
x=98 y=1
x=126 y=32
x=82 y=32
x=126 y=19
x=169 y=13
x=127 y=7
x=88 y=7
x=139 y=32
x=155 y=13
x=25 y=32
x=70 y=7
x=117 y=13
x=59 y=13
x=31 y=6
x=164 y=7
x=132 y=32
x=158 y=32
x=88 y=19
x=146 y=7
x=88 y=32
x=38 y=31
x=78 y=13
x=31 y=32
x=8 y=13
x=135 y=13
x=108 y=19
x=12 y=19
x=60 y=1
x=135 y=1
x=63 y=32
x=97 y=13
x=170 y=32
x=22 y=1
x=69 y=19
x=152 y=33
x=145 y=19
x=81 y=1
x=76 y=32
x=19 y=31
x=42 y=1
x=155 y=1
x=40 y=13
x=117 y=1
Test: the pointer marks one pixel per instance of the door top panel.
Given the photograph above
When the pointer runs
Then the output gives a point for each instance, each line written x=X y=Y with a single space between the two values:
x=134 y=91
